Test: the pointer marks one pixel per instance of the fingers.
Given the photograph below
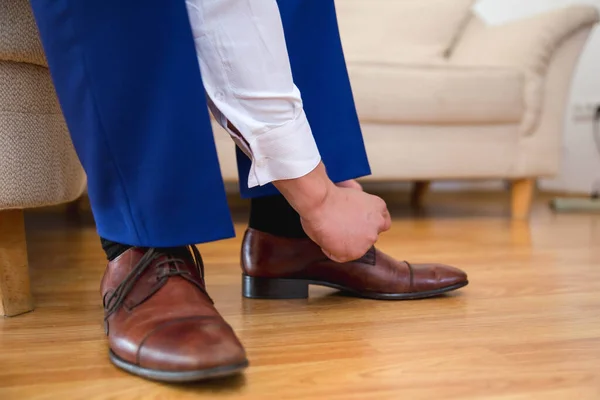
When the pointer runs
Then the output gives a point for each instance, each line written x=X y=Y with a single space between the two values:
x=346 y=257
x=387 y=221
x=332 y=257
x=350 y=252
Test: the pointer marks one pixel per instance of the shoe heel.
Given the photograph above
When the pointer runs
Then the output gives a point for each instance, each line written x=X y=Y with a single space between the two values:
x=266 y=288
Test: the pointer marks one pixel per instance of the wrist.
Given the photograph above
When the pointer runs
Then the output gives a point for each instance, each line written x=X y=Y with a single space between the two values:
x=307 y=193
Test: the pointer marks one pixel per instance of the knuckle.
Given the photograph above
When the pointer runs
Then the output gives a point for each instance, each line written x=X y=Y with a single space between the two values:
x=384 y=207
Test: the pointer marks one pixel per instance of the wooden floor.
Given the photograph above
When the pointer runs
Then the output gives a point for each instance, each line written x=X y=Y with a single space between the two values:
x=528 y=326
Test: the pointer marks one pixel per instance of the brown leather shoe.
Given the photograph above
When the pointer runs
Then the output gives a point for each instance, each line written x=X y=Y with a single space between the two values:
x=161 y=323
x=282 y=268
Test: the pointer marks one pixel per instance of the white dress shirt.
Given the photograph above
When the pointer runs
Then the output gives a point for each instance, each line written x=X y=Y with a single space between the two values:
x=248 y=80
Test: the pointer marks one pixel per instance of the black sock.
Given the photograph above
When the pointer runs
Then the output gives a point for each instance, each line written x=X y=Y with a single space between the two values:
x=114 y=249
x=274 y=215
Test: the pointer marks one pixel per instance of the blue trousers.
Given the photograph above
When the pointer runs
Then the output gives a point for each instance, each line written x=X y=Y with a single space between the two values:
x=131 y=91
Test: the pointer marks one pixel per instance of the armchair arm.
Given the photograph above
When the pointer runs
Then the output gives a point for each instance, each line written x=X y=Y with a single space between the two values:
x=528 y=44
x=19 y=38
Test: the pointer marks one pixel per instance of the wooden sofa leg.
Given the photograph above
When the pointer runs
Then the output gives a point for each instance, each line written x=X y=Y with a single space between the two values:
x=418 y=193
x=522 y=197
x=15 y=293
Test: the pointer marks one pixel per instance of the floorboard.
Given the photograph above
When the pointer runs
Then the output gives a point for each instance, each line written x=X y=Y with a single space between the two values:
x=528 y=326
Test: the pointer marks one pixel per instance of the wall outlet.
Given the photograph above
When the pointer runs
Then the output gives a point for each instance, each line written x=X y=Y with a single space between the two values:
x=585 y=111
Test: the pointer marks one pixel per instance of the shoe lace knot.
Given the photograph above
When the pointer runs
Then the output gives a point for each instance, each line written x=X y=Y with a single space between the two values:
x=166 y=268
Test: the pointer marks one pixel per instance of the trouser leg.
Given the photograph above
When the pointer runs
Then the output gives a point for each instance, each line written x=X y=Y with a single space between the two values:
x=128 y=81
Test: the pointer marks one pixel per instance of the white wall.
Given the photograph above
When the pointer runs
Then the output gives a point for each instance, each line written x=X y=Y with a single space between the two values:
x=581 y=168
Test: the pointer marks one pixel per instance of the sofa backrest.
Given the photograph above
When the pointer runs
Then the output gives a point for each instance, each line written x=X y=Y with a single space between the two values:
x=401 y=31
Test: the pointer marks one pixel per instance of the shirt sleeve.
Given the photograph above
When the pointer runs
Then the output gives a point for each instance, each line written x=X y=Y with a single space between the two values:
x=248 y=80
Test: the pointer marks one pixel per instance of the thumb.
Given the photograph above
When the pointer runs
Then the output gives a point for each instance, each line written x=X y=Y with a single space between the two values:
x=331 y=256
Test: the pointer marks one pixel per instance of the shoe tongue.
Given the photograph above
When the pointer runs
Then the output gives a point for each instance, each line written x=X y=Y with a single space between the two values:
x=369 y=257
x=184 y=254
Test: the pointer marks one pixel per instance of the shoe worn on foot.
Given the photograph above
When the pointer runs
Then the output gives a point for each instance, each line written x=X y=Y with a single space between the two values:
x=282 y=268
x=161 y=323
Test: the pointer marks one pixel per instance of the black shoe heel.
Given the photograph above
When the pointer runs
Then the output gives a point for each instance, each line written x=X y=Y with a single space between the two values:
x=266 y=288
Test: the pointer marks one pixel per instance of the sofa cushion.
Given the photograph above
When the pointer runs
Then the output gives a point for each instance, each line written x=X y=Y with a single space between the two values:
x=19 y=39
x=440 y=94
x=400 y=30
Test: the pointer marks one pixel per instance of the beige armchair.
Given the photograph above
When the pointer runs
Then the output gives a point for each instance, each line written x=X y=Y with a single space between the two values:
x=38 y=165
x=442 y=96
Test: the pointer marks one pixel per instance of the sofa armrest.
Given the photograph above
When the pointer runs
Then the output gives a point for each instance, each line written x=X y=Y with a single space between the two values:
x=528 y=43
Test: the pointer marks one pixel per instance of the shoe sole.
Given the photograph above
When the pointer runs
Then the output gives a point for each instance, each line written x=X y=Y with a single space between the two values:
x=279 y=289
x=177 y=377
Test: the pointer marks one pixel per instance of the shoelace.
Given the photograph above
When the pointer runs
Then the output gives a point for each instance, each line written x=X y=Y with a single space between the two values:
x=117 y=297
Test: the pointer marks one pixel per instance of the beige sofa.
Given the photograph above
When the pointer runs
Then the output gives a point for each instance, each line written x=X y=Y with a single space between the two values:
x=442 y=96
x=38 y=165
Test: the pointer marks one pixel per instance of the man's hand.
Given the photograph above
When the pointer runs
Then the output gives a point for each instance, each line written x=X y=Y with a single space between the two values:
x=351 y=184
x=345 y=222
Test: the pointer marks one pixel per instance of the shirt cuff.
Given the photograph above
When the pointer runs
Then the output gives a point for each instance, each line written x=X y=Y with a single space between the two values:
x=286 y=152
